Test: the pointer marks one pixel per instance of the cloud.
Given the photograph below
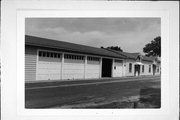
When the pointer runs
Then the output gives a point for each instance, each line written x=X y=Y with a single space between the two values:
x=130 y=34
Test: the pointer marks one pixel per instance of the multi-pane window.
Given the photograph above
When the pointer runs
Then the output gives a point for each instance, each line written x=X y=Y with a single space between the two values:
x=130 y=67
x=149 y=68
x=142 y=68
x=73 y=57
x=49 y=54
x=92 y=58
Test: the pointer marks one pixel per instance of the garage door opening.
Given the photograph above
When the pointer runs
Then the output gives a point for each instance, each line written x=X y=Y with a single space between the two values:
x=106 y=67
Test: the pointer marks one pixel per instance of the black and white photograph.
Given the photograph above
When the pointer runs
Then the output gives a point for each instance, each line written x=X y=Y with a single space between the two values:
x=89 y=60
x=93 y=63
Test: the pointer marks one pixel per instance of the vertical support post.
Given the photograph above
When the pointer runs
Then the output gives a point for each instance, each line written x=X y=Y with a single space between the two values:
x=62 y=63
x=122 y=67
x=100 y=67
x=112 y=72
x=140 y=70
x=85 y=66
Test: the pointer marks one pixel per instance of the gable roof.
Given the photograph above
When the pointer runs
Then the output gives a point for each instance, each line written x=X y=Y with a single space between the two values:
x=133 y=55
x=44 y=42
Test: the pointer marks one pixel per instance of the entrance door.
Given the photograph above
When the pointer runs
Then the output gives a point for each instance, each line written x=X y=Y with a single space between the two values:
x=136 y=70
x=106 y=67
x=154 y=69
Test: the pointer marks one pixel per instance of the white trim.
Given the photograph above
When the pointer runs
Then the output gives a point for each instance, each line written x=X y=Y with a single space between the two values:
x=45 y=50
x=85 y=66
x=112 y=67
x=62 y=64
x=73 y=53
x=37 y=60
x=100 y=68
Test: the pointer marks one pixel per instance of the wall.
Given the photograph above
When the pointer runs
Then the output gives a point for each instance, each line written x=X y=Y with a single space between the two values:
x=146 y=68
x=30 y=63
x=117 y=68
x=127 y=73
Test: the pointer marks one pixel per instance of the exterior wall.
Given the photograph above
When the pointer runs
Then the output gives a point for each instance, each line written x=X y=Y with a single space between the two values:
x=30 y=63
x=118 y=68
x=82 y=69
x=146 y=68
x=127 y=72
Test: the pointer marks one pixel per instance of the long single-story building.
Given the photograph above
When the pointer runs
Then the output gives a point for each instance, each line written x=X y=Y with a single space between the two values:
x=47 y=59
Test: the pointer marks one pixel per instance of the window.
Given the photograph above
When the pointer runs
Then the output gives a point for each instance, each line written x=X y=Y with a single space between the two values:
x=49 y=54
x=142 y=68
x=44 y=54
x=92 y=58
x=40 y=53
x=149 y=68
x=130 y=67
x=73 y=57
x=55 y=55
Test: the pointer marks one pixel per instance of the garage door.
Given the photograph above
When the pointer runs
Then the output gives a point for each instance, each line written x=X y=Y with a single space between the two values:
x=93 y=67
x=118 y=68
x=49 y=66
x=73 y=67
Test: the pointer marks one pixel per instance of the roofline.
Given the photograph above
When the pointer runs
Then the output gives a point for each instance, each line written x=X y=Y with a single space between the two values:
x=66 y=49
x=127 y=57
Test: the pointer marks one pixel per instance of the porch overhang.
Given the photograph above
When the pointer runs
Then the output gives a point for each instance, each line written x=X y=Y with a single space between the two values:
x=138 y=63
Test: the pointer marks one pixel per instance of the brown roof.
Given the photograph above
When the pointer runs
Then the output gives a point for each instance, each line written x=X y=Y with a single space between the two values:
x=43 y=42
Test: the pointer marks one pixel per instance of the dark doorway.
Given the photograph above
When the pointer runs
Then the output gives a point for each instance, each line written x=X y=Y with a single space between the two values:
x=106 y=67
x=136 y=70
x=154 y=69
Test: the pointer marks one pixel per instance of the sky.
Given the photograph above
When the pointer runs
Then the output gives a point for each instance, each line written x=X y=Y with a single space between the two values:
x=131 y=34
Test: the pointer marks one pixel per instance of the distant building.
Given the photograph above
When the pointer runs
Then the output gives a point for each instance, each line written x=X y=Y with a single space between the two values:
x=47 y=59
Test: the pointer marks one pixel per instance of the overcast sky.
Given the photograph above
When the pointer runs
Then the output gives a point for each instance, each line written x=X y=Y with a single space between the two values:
x=131 y=34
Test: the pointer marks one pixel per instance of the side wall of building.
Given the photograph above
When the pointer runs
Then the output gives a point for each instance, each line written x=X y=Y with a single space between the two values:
x=118 y=68
x=83 y=68
x=30 y=63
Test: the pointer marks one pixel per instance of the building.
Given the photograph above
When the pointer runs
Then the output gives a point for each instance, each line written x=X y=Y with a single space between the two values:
x=47 y=59
x=137 y=64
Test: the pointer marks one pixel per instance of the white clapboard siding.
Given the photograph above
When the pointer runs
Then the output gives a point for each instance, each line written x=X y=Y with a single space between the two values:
x=30 y=63
x=118 y=69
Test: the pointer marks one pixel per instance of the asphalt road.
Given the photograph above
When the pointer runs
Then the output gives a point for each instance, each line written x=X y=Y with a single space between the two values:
x=104 y=93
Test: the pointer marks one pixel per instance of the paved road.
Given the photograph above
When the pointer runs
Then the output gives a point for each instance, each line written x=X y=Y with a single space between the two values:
x=88 y=93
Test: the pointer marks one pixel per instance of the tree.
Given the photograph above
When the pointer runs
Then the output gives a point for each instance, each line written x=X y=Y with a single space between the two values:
x=153 y=48
x=113 y=48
